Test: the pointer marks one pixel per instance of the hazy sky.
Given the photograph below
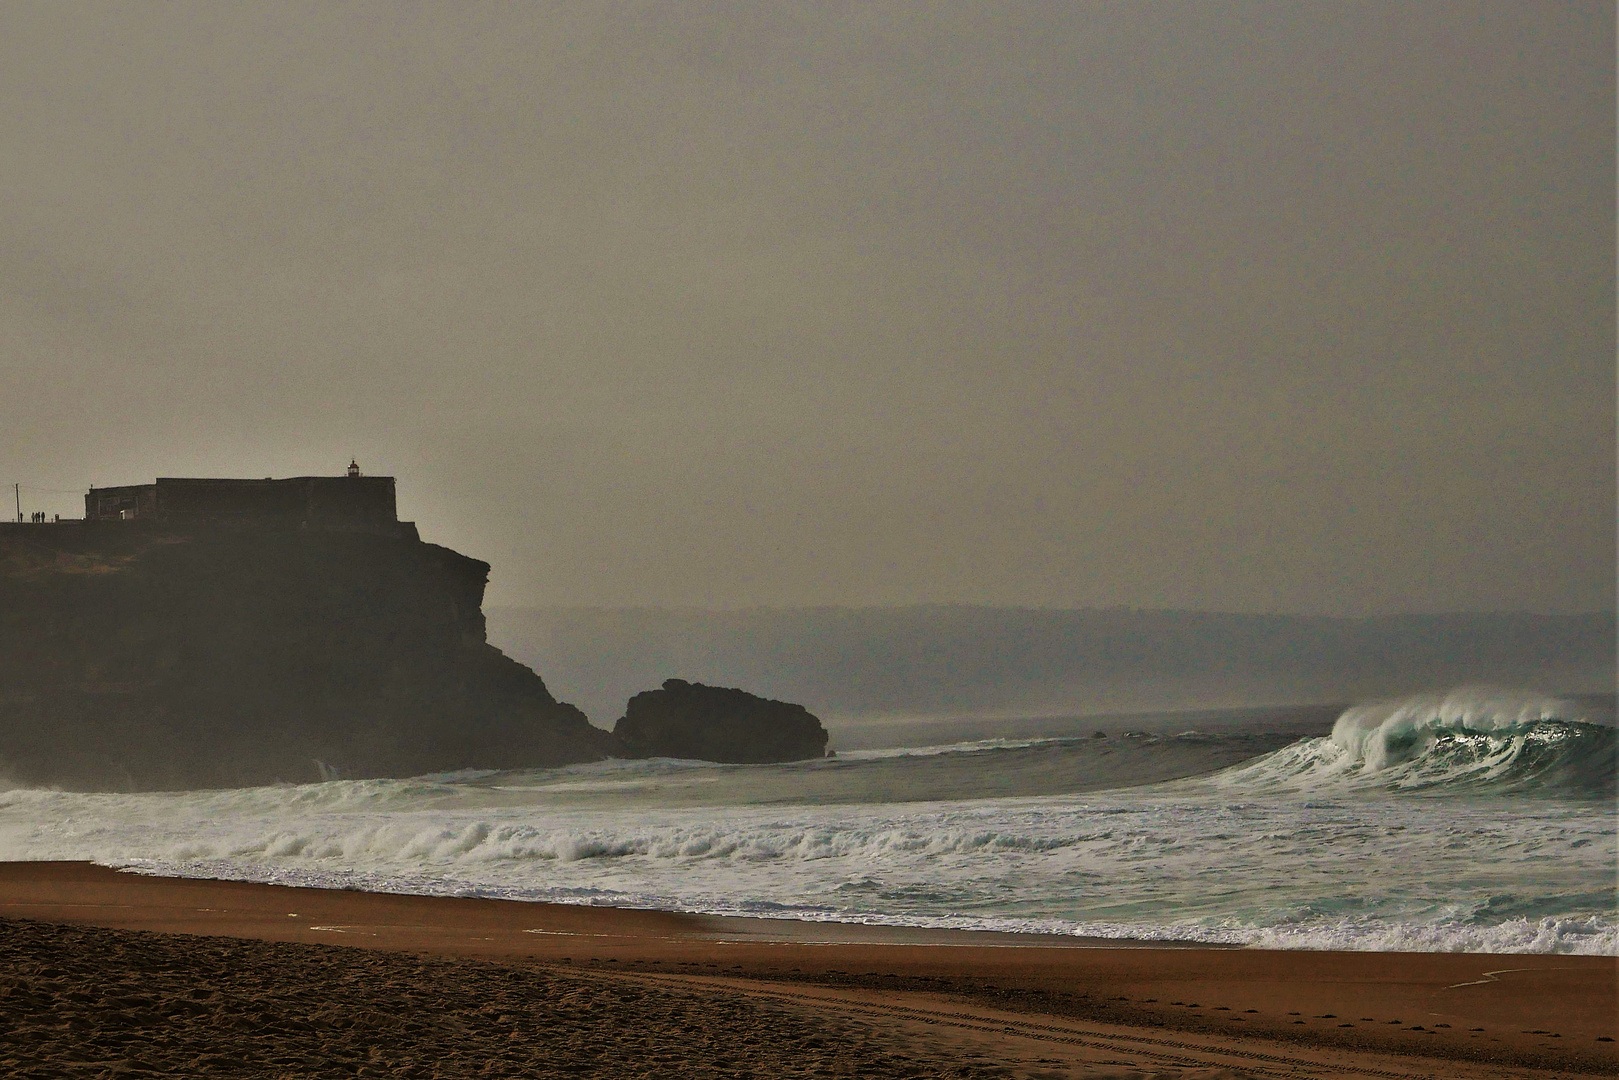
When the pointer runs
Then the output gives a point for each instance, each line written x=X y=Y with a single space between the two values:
x=1259 y=307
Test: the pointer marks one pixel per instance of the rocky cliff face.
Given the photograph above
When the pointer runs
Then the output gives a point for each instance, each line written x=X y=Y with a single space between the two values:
x=134 y=657
x=713 y=723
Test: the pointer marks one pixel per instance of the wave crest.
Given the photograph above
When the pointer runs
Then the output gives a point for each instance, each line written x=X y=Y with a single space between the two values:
x=1473 y=739
x=1386 y=734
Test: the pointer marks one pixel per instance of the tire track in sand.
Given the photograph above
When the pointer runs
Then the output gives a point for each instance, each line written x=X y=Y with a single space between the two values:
x=1159 y=1050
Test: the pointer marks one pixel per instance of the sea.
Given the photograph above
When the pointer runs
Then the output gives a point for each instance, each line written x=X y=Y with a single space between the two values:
x=1481 y=820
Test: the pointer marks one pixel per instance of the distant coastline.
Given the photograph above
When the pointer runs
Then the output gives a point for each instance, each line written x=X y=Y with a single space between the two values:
x=853 y=664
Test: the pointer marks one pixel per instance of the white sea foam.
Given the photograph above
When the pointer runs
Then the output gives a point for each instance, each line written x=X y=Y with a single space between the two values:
x=1308 y=847
x=973 y=746
x=1391 y=733
x=1282 y=872
x=1487 y=740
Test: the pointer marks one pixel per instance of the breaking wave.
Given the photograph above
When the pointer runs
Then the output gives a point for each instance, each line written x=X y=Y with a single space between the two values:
x=1477 y=741
x=1459 y=822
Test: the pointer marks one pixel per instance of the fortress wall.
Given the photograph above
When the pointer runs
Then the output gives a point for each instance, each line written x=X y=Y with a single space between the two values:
x=351 y=500
x=324 y=501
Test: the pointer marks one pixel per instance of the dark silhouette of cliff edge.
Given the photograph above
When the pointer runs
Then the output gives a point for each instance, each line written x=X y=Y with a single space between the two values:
x=715 y=723
x=144 y=655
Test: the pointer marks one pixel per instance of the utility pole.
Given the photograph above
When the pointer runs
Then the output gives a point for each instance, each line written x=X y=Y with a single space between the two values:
x=16 y=492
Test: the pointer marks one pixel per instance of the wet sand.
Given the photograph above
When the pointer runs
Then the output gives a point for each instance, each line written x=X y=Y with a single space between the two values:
x=306 y=982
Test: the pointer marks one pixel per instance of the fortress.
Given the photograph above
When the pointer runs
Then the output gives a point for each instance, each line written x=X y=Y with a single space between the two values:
x=351 y=502
x=211 y=633
x=200 y=633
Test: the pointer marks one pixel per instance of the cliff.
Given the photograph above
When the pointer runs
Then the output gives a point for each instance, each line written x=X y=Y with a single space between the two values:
x=713 y=723
x=142 y=656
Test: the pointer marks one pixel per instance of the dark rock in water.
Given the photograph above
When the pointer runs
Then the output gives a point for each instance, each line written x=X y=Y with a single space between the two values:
x=140 y=655
x=712 y=723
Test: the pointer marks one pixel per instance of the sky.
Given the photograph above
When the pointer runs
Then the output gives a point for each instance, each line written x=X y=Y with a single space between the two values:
x=1302 y=307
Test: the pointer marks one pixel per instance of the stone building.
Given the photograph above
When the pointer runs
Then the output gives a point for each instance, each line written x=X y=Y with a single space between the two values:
x=330 y=502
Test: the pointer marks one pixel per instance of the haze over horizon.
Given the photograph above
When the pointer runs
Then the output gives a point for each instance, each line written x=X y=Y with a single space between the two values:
x=1249 y=308
x=999 y=663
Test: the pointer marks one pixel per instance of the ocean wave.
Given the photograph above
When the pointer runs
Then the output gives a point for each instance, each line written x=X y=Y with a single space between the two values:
x=1315 y=843
x=1590 y=935
x=1150 y=864
x=974 y=746
x=1585 y=934
x=409 y=841
x=1473 y=740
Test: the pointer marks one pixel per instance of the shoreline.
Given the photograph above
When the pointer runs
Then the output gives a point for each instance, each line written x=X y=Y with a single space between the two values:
x=779 y=928
x=797 y=928
x=1474 y=1010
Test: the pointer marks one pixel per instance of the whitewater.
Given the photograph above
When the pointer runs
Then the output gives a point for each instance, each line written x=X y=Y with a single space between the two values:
x=1473 y=821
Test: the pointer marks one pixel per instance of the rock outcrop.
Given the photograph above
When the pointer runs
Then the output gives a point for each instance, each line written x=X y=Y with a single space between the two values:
x=713 y=723
x=141 y=656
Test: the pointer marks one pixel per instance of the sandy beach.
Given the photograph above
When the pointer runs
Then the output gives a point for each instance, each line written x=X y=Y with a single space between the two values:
x=112 y=973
